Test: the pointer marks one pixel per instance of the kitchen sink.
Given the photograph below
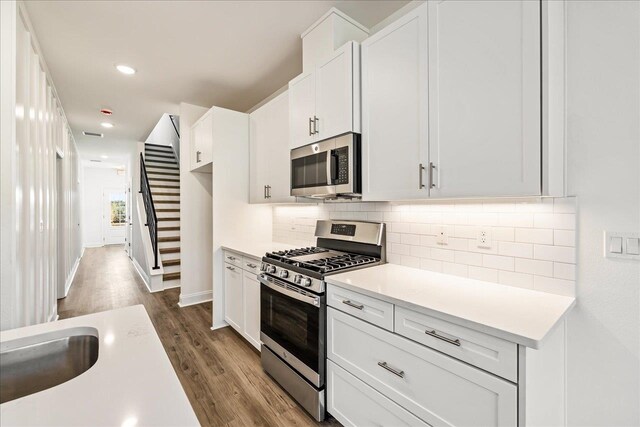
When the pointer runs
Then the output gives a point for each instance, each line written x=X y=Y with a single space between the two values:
x=36 y=363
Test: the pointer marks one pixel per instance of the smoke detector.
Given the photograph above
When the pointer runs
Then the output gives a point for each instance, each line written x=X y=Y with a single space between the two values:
x=106 y=111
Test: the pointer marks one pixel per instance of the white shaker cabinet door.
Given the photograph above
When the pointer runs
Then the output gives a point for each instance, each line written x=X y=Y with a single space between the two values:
x=258 y=150
x=277 y=153
x=251 y=306
x=394 y=110
x=484 y=97
x=302 y=110
x=233 y=299
x=335 y=112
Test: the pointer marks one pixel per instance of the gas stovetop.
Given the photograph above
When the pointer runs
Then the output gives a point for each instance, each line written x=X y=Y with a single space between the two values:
x=321 y=260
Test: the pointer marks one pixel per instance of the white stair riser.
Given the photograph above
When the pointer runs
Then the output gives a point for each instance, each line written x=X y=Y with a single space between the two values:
x=173 y=255
x=175 y=233
x=151 y=170
x=175 y=192
x=163 y=245
x=160 y=199
x=171 y=283
x=168 y=224
x=171 y=268
x=168 y=215
x=170 y=167
x=156 y=175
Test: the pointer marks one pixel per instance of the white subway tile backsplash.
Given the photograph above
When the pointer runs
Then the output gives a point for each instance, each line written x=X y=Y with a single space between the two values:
x=498 y=262
x=532 y=241
x=534 y=235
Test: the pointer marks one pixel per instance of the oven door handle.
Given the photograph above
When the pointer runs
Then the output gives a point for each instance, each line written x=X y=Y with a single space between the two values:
x=315 y=301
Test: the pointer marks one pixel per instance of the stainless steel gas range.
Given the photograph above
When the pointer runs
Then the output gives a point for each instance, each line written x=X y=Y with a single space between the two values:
x=293 y=304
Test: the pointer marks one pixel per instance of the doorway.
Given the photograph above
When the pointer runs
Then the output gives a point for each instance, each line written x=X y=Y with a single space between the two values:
x=114 y=215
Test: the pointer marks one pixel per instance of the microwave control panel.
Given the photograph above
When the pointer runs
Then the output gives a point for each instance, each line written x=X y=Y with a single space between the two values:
x=342 y=155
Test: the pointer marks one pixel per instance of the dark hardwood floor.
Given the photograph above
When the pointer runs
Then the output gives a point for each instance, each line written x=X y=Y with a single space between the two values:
x=219 y=371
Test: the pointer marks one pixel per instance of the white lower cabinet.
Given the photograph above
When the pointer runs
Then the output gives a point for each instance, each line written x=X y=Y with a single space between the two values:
x=233 y=296
x=251 y=309
x=242 y=296
x=356 y=404
x=436 y=388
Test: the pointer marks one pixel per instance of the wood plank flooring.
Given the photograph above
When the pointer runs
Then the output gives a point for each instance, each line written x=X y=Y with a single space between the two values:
x=219 y=371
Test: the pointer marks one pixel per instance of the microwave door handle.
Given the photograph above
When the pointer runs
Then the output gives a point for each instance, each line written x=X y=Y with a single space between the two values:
x=334 y=166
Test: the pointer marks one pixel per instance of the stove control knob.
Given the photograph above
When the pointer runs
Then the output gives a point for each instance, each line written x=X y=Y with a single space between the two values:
x=306 y=282
x=270 y=269
x=284 y=274
x=263 y=266
x=297 y=279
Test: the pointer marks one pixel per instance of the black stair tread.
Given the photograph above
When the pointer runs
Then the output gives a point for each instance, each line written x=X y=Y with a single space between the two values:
x=172 y=162
x=169 y=219
x=169 y=250
x=170 y=262
x=160 y=167
x=176 y=228
x=146 y=144
x=166 y=194
x=168 y=210
x=163 y=173
x=160 y=202
x=169 y=239
x=171 y=276
x=158 y=153
x=163 y=179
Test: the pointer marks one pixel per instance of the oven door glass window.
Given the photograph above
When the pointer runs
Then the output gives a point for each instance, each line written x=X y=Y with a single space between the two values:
x=309 y=171
x=293 y=324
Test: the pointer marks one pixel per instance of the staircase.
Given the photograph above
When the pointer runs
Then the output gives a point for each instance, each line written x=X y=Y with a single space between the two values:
x=164 y=182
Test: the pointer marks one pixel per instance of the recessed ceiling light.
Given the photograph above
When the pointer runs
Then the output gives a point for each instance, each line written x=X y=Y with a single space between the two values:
x=125 y=69
x=104 y=157
x=106 y=125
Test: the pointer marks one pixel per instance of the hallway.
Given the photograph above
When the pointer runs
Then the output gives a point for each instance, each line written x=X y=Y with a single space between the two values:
x=219 y=371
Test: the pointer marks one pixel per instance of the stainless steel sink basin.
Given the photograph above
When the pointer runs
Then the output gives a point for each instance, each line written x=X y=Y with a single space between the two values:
x=32 y=364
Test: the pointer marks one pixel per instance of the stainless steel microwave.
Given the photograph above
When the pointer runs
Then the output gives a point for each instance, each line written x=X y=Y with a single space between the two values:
x=328 y=169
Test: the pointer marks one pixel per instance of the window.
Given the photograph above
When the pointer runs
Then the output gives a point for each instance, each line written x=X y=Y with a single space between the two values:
x=118 y=209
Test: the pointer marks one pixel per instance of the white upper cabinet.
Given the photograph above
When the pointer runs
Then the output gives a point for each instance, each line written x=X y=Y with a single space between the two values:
x=202 y=143
x=484 y=97
x=269 y=152
x=395 y=143
x=324 y=102
x=451 y=102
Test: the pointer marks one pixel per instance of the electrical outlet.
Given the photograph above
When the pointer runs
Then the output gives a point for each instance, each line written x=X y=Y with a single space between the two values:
x=442 y=234
x=484 y=238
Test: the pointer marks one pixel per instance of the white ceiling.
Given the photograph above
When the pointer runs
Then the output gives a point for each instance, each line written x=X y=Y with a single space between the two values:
x=231 y=54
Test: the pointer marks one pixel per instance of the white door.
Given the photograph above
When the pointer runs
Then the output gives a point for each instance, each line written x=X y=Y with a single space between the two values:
x=114 y=229
x=233 y=297
x=394 y=111
x=484 y=97
x=334 y=93
x=302 y=109
x=251 y=296
x=129 y=224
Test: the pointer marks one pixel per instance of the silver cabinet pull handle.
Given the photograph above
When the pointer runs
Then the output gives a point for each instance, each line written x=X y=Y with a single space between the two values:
x=420 y=169
x=431 y=168
x=198 y=153
x=434 y=334
x=232 y=258
x=315 y=124
x=264 y=192
x=230 y=268
x=268 y=191
x=390 y=369
x=350 y=304
x=311 y=122
x=251 y=265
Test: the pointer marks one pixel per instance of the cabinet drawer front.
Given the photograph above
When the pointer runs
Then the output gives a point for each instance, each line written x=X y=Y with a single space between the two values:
x=372 y=310
x=233 y=258
x=251 y=265
x=437 y=388
x=484 y=351
x=355 y=404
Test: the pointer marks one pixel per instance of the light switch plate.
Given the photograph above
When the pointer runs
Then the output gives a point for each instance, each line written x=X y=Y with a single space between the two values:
x=621 y=245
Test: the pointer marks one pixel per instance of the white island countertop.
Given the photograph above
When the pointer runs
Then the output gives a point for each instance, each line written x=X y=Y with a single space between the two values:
x=131 y=384
x=518 y=315
x=255 y=249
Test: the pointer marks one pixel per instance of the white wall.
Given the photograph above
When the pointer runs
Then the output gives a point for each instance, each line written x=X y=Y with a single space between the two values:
x=33 y=127
x=165 y=134
x=96 y=182
x=196 y=204
x=603 y=144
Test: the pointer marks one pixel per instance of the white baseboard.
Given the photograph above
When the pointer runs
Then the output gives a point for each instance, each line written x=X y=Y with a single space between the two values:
x=72 y=275
x=141 y=273
x=172 y=287
x=195 y=298
x=223 y=325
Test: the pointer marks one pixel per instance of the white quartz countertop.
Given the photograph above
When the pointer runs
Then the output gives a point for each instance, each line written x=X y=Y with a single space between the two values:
x=255 y=249
x=131 y=384
x=518 y=315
